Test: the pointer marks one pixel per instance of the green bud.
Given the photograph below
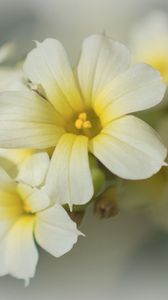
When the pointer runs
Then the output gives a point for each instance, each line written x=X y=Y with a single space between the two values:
x=93 y=162
x=99 y=180
x=98 y=175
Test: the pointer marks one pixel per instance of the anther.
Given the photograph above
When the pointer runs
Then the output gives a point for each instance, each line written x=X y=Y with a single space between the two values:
x=79 y=124
x=82 y=122
x=82 y=116
x=87 y=124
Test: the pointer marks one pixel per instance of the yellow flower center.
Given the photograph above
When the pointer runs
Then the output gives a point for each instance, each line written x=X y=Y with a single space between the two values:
x=82 y=122
x=23 y=196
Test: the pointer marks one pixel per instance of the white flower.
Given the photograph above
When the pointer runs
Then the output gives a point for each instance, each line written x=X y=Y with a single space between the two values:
x=11 y=78
x=149 y=41
x=26 y=216
x=87 y=114
x=11 y=159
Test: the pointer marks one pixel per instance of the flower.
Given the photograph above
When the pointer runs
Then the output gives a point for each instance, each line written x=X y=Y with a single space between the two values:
x=11 y=78
x=12 y=160
x=85 y=111
x=149 y=196
x=149 y=42
x=26 y=216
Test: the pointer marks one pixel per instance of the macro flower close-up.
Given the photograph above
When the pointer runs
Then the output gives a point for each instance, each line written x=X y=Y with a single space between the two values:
x=26 y=216
x=86 y=112
x=83 y=149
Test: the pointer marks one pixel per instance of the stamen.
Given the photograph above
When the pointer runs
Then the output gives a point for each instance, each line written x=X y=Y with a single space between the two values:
x=87 y=124
x=78 y=124
x=82 y=116
x=82 y=122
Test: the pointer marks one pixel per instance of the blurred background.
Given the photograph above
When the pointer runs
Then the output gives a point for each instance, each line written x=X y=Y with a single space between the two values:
x=125 y=257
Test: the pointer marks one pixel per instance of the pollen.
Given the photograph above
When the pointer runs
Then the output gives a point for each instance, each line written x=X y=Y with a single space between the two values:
x=82 y=116
x=82 y=122
x=87 y=124
x=79 y=124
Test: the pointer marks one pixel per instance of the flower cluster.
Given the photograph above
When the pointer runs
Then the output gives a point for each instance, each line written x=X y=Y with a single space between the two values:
x=65 y=137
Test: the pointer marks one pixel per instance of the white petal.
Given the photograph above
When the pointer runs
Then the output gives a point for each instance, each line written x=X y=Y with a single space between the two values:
x=48 y=65
x=10 y=205
x=55 y=231
x=27 y=120
x=162 y=128
x=11 y=80
x=102 y=59
x=12 y=159
x=129 y=148
x=18 y=253
x=69 y=178
x=33 y=169
x=8 y=216
x=34 y=199
x=10 y=209
x=7 y=190
x=5 y=179
x=139 y=88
